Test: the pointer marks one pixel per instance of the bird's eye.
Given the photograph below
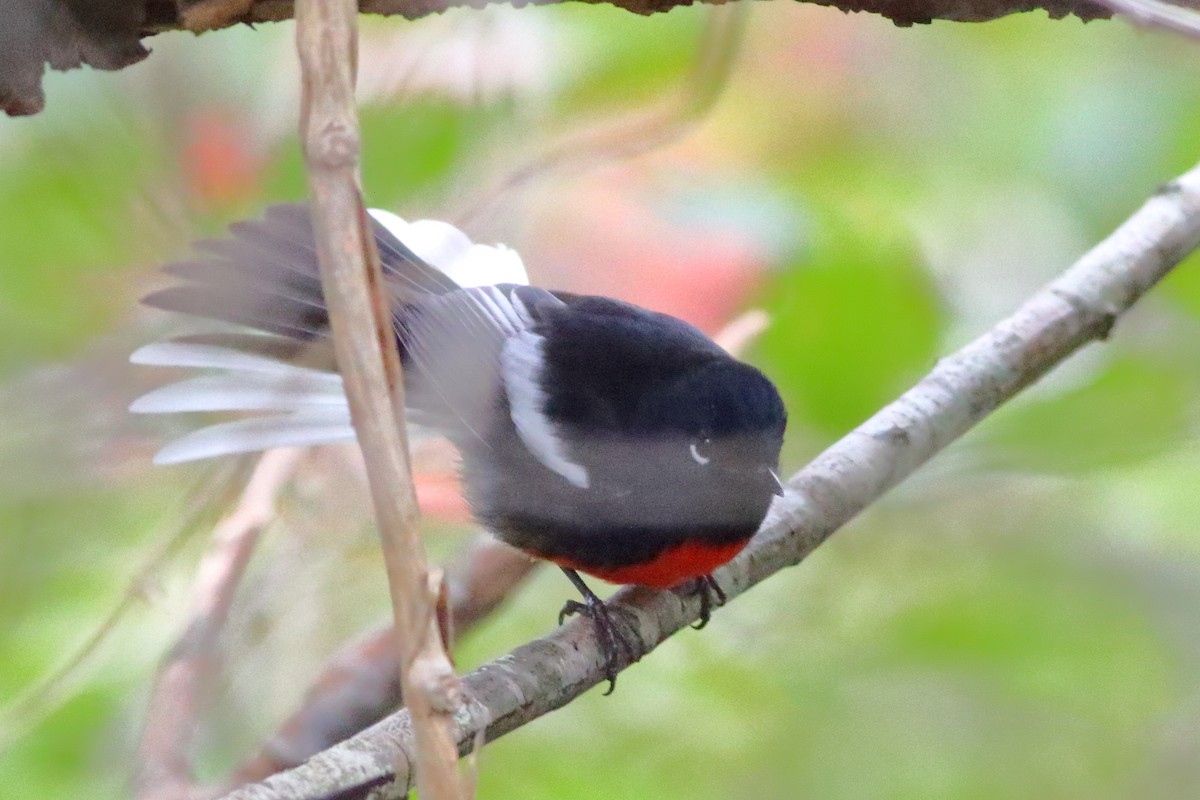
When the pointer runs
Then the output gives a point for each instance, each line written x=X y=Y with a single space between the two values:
x=698 y=450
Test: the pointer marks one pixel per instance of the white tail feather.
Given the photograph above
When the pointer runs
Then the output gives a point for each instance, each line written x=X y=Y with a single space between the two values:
x=315 y=398
x=253 y=382
x=287 y=391
x=308 y=427
x=211 y=356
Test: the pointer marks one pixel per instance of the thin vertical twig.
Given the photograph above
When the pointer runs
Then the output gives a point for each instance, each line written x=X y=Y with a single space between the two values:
x=361 y=321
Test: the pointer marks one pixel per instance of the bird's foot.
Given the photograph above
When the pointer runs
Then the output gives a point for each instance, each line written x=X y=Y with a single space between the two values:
x=711 y=594
x=613 y=643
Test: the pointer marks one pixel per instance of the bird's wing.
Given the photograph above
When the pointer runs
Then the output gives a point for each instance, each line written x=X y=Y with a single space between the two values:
x=480 y=349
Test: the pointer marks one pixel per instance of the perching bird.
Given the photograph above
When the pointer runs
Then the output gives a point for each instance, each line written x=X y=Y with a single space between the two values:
x=601 y=436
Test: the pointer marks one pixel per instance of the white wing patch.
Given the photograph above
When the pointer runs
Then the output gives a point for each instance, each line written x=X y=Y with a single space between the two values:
x=498 y=308
x=520 y=309
x=521 y=368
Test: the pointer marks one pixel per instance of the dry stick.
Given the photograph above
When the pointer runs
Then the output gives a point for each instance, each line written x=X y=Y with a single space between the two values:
x=545 y=674
x=359 y=684
x=164 y=757
x=364 y=341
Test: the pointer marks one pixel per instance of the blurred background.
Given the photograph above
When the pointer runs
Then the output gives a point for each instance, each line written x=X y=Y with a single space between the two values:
x=1017 y=620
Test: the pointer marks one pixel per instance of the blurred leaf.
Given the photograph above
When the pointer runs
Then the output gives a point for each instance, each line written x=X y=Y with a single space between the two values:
x=1050 y=634
x=855 y=319
x=1132 y=410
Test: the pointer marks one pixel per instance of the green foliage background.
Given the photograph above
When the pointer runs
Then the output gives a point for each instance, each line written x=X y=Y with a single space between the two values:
x=1018 y=620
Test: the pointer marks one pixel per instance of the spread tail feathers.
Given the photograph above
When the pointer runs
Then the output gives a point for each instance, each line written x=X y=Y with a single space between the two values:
x=265 y=278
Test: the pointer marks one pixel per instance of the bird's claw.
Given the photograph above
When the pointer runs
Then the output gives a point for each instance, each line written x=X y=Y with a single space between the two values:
x=711 y=594
x=607 y=633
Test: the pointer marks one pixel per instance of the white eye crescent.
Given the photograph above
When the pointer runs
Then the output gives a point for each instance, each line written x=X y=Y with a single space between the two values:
x=699 y=459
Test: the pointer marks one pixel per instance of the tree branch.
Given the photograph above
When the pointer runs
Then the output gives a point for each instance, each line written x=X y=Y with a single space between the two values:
x=222 y=13
x=1079 y=307
x=365 y=345
x=105 y=34
x=1182 y=17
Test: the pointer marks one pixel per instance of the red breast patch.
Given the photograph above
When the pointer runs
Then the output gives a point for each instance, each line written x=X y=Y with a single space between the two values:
x=669 y=568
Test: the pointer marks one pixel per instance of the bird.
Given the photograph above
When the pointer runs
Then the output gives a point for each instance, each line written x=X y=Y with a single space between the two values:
x=606 y=438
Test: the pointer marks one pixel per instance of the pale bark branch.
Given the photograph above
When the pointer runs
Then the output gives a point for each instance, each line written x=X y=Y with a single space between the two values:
x=1181 y=17
x=1079 y=307
x=365 y=345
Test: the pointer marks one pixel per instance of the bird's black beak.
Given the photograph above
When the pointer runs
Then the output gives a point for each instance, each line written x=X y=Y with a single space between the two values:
x=776 y=484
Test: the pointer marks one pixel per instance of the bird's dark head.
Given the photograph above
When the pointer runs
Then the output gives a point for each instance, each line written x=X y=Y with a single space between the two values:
x=729 y=419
